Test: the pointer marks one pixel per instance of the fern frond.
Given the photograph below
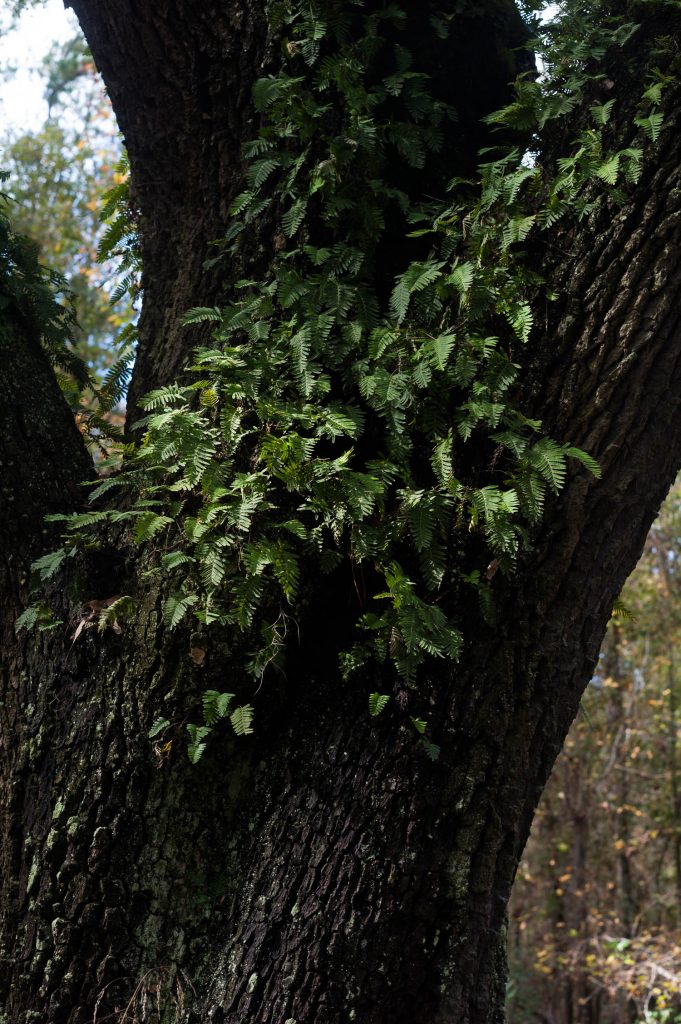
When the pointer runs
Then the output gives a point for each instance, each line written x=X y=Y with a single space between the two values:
x=377 y=703
x=242 y=720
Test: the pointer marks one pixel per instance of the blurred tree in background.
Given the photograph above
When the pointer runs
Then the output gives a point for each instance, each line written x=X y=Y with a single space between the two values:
x=58 y=175
x=595 y=935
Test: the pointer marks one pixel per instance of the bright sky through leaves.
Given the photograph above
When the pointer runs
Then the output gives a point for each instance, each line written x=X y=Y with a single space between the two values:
x=22 y=101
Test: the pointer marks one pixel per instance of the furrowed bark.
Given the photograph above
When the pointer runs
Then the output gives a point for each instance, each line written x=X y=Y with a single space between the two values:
x=42 y=464
x=179 y=76
x=43 y=459
x=323 y=870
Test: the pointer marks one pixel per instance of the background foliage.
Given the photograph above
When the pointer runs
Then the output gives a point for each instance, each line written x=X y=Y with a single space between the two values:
x=595 y=931
x=57 y=175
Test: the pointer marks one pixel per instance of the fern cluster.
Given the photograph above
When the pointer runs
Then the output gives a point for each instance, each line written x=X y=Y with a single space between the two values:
x=329 y=422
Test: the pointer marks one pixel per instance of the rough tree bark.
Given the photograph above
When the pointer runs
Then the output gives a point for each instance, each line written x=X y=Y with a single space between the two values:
x=322 y=871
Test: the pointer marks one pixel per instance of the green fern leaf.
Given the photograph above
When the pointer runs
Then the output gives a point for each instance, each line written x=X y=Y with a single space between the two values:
x=487 y=501
x=197 y=741
x=294 y=217
x=586 y=460
x=421 y=518
x=510 y=501
x=106 y=485
x=548 y=458
x=27 y=619
x=241 y=719
x=432 y=749
x=652 y=125
x=260 y=171
x=377 y=702
x=50 y=564
x=267 y=91
x=176 y=607
x=461 y=279
x=609 y=170
x=399 y=300
x=215 y=705
x=149 y=524
x=202 y=315
x=174 y=559
x=159 y=725
x=441 y=348
x=521 y=320
x=241 y=203
x=417 y=277
x=517 y=230
x=620 y=611
x=601 y=112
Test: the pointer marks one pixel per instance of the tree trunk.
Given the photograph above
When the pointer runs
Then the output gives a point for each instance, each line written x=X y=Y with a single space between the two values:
x=321 y=871
x=179 y=76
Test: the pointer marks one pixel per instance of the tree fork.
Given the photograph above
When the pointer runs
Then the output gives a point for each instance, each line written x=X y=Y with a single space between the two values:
x=180 y=81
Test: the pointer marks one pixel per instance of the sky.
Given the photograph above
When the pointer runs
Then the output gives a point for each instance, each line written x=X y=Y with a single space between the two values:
x=22 y=104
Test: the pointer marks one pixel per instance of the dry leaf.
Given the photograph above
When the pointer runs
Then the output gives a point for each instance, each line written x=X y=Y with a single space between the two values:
x=198 y=655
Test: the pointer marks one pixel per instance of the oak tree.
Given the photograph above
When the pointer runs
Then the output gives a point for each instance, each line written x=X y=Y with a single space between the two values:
x=395 y=467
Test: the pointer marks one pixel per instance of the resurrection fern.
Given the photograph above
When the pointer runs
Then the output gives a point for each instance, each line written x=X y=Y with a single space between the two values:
x=255 y=469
